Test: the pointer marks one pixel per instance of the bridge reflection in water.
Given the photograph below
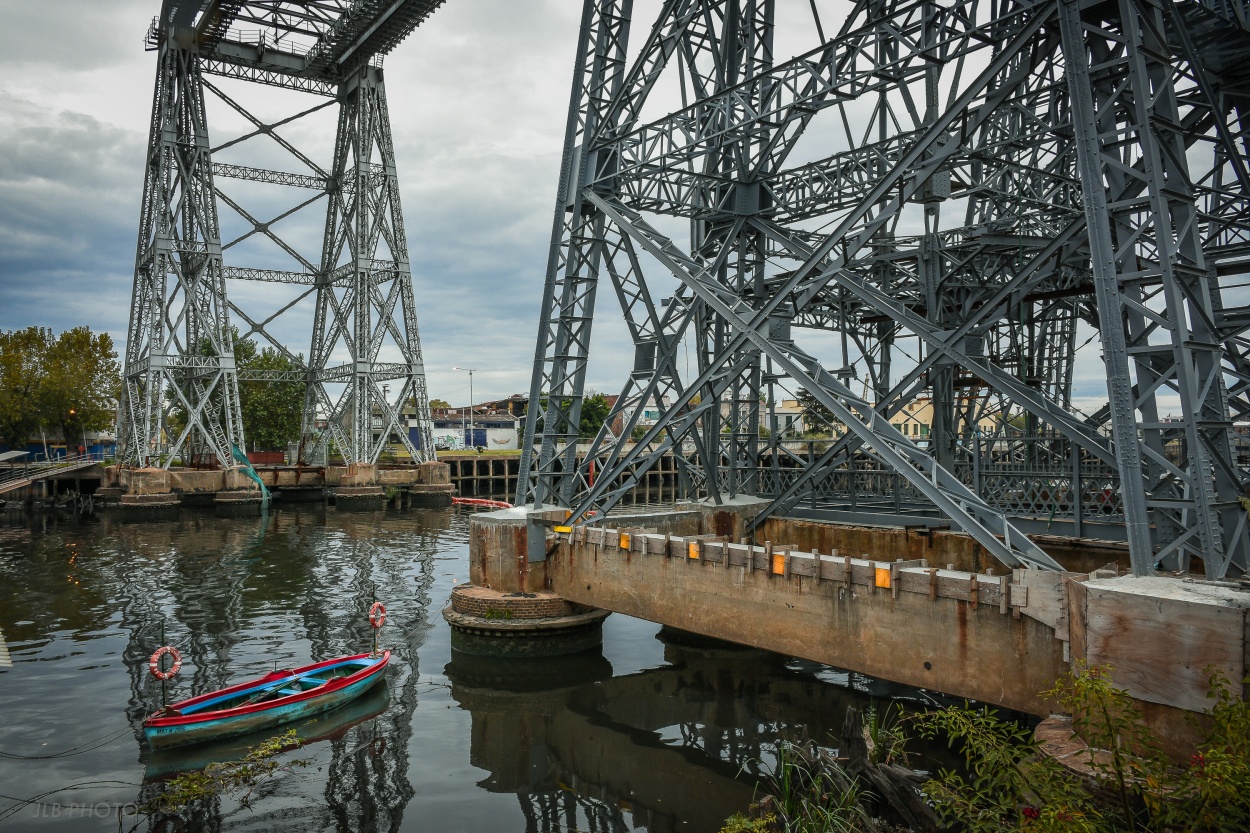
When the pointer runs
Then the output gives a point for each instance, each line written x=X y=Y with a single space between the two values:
x=665 y=748
x=661 y=735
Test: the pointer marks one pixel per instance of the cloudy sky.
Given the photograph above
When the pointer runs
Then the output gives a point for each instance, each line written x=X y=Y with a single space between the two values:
x=478 y=98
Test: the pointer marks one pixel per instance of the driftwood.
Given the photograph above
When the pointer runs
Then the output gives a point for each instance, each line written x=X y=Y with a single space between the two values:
x=896 y=788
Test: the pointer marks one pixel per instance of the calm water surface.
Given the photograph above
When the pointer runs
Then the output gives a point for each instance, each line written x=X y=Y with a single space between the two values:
x=658 y=731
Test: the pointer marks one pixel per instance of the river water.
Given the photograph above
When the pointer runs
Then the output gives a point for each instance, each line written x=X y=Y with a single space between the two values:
x=658 y=731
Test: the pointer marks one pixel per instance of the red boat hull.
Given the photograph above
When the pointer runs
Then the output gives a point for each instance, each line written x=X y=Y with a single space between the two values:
x=200 y=719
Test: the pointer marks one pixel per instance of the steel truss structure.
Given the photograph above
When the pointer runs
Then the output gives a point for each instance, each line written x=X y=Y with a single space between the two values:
x=180 y=398
x=972 y=204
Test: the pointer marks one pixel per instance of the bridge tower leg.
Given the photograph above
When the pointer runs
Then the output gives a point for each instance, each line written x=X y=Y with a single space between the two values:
x=1147 y=251
x=366 y=315
x=180 y=396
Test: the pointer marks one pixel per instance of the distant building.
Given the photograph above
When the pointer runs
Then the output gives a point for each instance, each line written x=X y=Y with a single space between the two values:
x=790 y=418
x=489 y=425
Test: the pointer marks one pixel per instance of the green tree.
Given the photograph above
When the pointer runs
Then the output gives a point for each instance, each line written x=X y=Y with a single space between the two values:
x=22 y=357
x=271 y=409
x=818 y=417
x=69 y=382
x=595 y=410
x=439 y=404
x=81 y=381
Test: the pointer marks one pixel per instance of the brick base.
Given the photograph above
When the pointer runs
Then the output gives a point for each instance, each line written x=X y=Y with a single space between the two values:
x=492 y=604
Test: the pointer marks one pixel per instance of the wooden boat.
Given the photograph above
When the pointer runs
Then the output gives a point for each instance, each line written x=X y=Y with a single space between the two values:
x=278 y=697
x=163 y=764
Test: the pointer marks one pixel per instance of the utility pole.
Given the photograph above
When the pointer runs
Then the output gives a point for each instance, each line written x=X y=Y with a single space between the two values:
x=472 y=440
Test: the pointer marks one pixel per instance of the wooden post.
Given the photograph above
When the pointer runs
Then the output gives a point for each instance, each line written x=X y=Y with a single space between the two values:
x=974 y=591
x=933 y=584
x=1004 y=593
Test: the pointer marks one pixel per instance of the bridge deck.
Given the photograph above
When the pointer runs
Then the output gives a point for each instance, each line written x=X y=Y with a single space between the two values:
x=20 y=477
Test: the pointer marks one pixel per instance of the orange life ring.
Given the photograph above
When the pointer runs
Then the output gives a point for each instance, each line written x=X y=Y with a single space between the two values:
x=154 y=664
x=377 y=615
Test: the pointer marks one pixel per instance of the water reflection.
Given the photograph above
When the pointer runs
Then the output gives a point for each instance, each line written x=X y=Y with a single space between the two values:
x=666 y=748
x=662 y=734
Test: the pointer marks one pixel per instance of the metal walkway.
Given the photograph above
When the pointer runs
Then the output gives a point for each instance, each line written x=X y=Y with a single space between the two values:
x=11 y=479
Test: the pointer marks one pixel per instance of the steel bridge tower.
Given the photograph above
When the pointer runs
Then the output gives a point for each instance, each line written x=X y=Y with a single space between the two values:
x=1020 y=225
x=364 y=368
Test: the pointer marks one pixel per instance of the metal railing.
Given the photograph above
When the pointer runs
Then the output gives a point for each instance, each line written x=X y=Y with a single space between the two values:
x=16 y=477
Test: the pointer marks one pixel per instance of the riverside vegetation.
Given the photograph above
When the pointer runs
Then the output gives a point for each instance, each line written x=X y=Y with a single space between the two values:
x=1006 y=785
x=240 y=778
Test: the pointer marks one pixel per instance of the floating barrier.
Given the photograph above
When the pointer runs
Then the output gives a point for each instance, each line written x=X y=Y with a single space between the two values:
x=482 y=502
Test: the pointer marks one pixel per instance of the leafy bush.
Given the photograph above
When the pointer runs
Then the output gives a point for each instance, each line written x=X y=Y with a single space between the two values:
x=1009 y=786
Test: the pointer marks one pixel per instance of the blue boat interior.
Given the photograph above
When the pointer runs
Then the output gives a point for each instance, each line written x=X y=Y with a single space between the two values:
x=281 y=687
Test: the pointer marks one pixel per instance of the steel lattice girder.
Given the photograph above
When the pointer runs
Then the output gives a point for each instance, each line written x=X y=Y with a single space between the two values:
x=371 y=305
x=359 y=286
x=972 y=106
x=308 y=46
x=179 y=356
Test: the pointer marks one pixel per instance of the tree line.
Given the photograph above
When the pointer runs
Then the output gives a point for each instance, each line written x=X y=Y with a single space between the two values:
x=67 y=383
x=70 y=384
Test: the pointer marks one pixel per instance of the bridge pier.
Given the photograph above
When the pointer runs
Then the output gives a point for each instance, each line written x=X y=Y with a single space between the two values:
x=998 y=638
x=155 y=493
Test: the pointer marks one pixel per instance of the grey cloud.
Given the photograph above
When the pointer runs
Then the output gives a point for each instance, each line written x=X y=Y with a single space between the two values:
x=69 y=196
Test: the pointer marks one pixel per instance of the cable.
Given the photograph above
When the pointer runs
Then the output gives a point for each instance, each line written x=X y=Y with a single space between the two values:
x=35 y=799
x=74 y=750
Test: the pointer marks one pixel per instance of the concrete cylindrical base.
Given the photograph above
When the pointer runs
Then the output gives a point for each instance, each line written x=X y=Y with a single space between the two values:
x=237 y=504
x=301 y=494
x=359 y=498
x=519 y=625
x=156 y=507
x=431 y=497
x=108 y=494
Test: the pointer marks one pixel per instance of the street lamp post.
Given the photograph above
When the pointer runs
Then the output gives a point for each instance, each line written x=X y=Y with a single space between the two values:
x=469 y=370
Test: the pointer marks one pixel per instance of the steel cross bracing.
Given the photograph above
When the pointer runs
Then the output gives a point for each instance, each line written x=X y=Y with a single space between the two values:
x=984 y=206
x=353 y=300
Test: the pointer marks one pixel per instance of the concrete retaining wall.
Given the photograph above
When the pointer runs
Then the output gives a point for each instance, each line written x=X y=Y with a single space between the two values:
x=1001 y=639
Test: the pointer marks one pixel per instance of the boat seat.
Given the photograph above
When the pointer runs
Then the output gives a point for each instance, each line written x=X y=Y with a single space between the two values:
x=289 y=691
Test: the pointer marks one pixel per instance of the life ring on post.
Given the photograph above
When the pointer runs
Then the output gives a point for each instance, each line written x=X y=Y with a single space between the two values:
x=377 y=614
x=154 y=664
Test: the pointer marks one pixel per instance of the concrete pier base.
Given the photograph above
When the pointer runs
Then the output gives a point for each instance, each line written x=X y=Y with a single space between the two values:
x=491 y=623
x=994 y=635
x=237 y=504
x=359 y=498
x=152 y=507
x=301 y=494
x=430 y=496
x=107 y=495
